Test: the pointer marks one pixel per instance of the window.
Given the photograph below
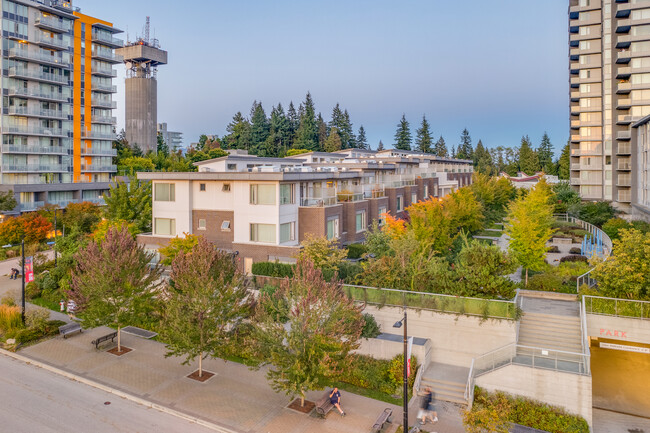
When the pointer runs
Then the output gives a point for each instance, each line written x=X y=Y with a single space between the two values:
x=263 y=233
x=201 y=224
x=287 y=232
x=382 y=216
x=165 y=226
x=400 y=203
x=262 y=194
x=225 y=226
x=333 y=228
x=361 y=221
x=225 y=187
x=232 y=166
x=165 y=192
x=201 y=187
x=426 y=192
x=287 y=195
x=414 y=197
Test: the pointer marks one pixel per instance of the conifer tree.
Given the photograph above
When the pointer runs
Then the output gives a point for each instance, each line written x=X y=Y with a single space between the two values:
x=482 y=159
x=294 y=122
x=239 y=133
x=322 y=132
x=441 y=148
x=423 y=137
x=528 y=162
x=380 y=146
x=403 y=135
x=348 y=139
x=564 y=163
x=260 y=127
x=453 y=152
x=465 y=150
x=307 y=134
x=333 y=142
x=362 y=142
x=545 y=155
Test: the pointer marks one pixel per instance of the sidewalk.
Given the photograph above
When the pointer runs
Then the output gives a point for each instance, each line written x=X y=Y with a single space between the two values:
x=235 y=398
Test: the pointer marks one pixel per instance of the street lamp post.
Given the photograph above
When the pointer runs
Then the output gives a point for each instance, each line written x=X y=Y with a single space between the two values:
x=22 y=313
x=55 y=261
x=405 y=390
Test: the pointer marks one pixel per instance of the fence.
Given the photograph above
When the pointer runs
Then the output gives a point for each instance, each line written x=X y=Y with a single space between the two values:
x=616 y=307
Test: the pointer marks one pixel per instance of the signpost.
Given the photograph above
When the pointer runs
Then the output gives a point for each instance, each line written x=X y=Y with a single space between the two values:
x=29 y=269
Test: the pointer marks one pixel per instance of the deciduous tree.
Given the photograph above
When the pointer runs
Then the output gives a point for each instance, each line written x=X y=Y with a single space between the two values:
x=177 y=245
x=323 y=253
x=7 y=200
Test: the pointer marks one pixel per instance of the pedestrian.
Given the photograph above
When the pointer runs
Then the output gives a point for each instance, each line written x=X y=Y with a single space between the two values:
x=16 y=273
x=427 y=408
x=62 y=305
x=11 y=275
x=71 y=307
x=335 y=398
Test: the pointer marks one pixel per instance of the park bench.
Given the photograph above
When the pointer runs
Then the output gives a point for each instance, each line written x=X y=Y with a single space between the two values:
x=324 y=405
x=382 y=419
x=103 y=338
x=69 y=329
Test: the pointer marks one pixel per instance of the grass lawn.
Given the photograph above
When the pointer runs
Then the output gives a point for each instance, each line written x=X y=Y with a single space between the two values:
x=370 y=393
x=54 y=306
x=489 y=233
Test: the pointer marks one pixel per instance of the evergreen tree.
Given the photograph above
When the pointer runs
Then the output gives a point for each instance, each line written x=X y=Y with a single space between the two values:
x=307 y=134
x=545 y=155
x=260 y=127
x=482 y=159
x=465 y=150
x=162 y=147
x=279 y=136
x=322 y=132
x=239 y=133
x=441 y=148
x=511 y=161
x=423 y=137
x=333 y=142
x=294 y=122
x=380 y=146
x=348 y=131
x=453 y=152
x=341 y=121
x=403 y=135
x=564 y=163
x=362 y=142
x=528 y=161
x=497 y=159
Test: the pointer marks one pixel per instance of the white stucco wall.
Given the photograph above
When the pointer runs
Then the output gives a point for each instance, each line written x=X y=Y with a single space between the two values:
x=180 y=209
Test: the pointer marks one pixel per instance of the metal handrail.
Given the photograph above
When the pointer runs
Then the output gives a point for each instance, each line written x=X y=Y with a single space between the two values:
x=583 y=329
x=470 y=380
x=644 y=305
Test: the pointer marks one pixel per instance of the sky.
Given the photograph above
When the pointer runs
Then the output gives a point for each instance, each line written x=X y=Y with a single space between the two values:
x=498 y=68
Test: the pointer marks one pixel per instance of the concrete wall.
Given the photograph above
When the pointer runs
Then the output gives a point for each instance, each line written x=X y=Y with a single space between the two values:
x=618 y=328
x=570 y=391
x=141 y=112
x=385 y=349
x=454 y=339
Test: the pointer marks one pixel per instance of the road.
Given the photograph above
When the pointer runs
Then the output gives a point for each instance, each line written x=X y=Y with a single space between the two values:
x=6 y=265
x=34 y=400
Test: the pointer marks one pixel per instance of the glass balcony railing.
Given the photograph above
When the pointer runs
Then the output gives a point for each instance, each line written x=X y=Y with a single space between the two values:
x=38 y=57
x=103 y=119
x=8 y=148
x=98 y=151
x=98 y=168
x=97 y=68
x=317 y=201
x=63 y=202
x=103 y=103
x=33 y=168
x=107 y=55
x=52 y=23
x=51 y=41
x=35 y=130
x=39 y=94
x=101 y=87
x=98 y=135
x=107 y=39
x=38 y=75
x=36 y=112
x=31 y=205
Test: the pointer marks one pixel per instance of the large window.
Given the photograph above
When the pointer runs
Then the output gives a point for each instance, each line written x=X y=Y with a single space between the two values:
x=165 y=192
x=414 y=197
x=287 y=195
x=165 y=226
x=263 y=233
x=382 y=215
x=262 y=194
x=333 y=228
x=361 y=221
x=287 y=232
x=400 y=203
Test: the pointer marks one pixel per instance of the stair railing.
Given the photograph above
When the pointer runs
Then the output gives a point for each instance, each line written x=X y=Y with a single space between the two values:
x=469 y=388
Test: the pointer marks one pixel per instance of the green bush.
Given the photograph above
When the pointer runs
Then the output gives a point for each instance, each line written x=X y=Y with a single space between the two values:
x=371 y=328
x=396 y=371
x=546 y=282
x=355 y=251
x=273 y=269
x=574 y=258
x=553 y=249
x=37 y=319
x=575 y=250
x=370 y=373
x=32 y=290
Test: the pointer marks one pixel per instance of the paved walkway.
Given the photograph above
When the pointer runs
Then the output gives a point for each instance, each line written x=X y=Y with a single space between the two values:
x=612 y=422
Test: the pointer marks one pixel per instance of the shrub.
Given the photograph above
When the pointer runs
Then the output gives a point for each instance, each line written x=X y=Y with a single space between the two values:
x=396 y=371
x=28 y=334
x=273 y=269
x=32 y=290
x=575 y=250
x=37 y=319
x=574 y=258
x=10 y=318
x=370 y=373
x=546 y=282
x=371 y=328
x=553 y=249
x=356 y=251
x=8 y=300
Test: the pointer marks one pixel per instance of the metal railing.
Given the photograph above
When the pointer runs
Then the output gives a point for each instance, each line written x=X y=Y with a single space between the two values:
x=628 y=308
x=7 y=148
x=24 y=111
x=317 y=201
x=53 y=23
x=38 y=75
x=584 y=333
x=469 y=387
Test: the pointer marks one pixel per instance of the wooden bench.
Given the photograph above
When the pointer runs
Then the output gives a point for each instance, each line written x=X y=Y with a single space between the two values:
x=382 y=419
x=103 y=338
x=69 y=329
x=324 y=405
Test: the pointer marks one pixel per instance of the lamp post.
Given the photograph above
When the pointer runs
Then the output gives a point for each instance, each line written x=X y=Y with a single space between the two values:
x=405 y=390
x=55 y=261
x=22 y=247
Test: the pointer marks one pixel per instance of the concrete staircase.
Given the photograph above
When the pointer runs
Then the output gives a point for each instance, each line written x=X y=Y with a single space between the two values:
x=448 y=382
x=550 y=331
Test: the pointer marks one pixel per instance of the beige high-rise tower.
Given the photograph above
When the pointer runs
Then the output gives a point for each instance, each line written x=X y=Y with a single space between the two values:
x=609 y=66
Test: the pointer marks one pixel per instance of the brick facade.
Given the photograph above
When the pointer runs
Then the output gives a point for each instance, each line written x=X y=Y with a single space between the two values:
x=213 y=231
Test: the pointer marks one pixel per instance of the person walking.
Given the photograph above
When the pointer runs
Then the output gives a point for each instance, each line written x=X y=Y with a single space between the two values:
x=72 y=305
x=427 y=408
x=335 y=399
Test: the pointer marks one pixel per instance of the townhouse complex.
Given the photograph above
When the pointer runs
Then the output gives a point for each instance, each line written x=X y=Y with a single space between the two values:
x=609 y=65
x=57 y=85
x=262 y=208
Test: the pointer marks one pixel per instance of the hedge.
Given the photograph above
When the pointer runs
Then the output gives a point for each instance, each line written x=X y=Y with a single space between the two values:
x=273 y=269
x=355 y=251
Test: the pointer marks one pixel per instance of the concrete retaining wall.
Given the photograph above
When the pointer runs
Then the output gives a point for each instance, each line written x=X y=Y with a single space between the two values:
x=570 y=391
x=455 y=339
x=618 y=328
x=386 y=349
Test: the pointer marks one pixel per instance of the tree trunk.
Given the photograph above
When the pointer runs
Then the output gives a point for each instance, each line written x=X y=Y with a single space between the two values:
x=526 y=277
x=201 y=364
x=119 y=339
x=302 y=398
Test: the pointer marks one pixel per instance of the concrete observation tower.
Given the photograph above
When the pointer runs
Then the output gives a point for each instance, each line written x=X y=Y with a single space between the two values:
x=142 y=59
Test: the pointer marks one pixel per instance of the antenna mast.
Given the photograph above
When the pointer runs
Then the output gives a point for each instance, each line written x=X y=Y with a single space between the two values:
x=146 y=31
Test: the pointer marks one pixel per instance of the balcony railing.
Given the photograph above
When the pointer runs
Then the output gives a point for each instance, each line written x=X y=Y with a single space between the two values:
x=51 y=42
x=107 y=39
x=624 y=166
x=63 y=202
x=53 y=96
x=38 y=57
x=52 y=24
x=8 y=148
x=37 y=75
x=97 y=135
x=35 y=112
x=100 y=87
x=345 y=197
x=98 y=168
x=98 y=151
x=31 y=206
x=107 y=55
x=624 y=149
x=317 y=201
x=624 y=196
x=106 y=71
x=103 y=119
x=35 y=130
x=103 y=103
x=374 y=191
x=33 y=168
x=623 y=135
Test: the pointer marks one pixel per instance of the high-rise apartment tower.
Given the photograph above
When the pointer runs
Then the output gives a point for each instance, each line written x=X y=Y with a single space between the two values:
x=57 y=124
x=609 y=65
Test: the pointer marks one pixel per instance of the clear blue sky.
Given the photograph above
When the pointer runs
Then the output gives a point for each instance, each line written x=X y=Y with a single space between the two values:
x=497 y=67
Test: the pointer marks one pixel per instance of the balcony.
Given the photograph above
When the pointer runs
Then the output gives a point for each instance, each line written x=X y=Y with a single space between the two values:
x=36 y=112
x=50 y=96
x=373 y=191
x=24 y=53
x=107 y=56
x=63 y=202
x=31 y=206
x=94 y=135
x=624 y=181
x=624 y=135
x=624 y=104
x=90 y=168
x=46 y=77
x=95 y=151
x=35 y=130
x=576 y=137
x=104 y=88
x=53 y=24
x=106 y=120
x=50 y=42
x=103 y=103
x=105 y=39
x=102 y=71
x=624 y=166
x=34 y=168
x=50 y=150
x=623 y=57
x=624 y=196
x=97 y=200
x=575 y=181
x=623 y=119
x=624 y=149
x=575 y=96
x=623 y=88
x=623 y=72
x=586 y=152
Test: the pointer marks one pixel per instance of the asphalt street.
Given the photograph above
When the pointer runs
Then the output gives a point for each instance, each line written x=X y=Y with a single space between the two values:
x=33 y=400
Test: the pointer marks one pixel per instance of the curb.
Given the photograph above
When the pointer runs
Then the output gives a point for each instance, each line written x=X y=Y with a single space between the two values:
x=117 y=393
